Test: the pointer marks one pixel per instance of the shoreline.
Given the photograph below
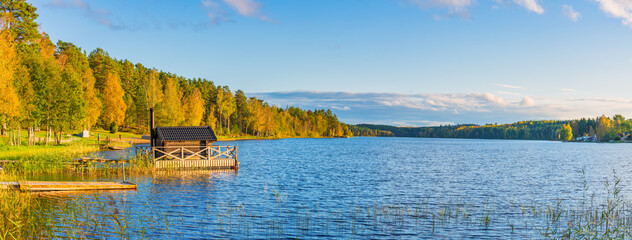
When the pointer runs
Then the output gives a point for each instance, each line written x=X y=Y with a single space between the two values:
x=221 y=139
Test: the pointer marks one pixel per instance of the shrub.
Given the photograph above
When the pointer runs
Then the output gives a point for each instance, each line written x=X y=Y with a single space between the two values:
x=113 y=128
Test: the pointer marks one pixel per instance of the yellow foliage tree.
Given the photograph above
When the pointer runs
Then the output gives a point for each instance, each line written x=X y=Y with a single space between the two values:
x=567 y=133
x=211 y=120
x=90 y=96
x=154 y=89
x=114 y=108
x=48 y=49
x=171 y=111
x=193 y=107
x=9 y=101
x=603 y=126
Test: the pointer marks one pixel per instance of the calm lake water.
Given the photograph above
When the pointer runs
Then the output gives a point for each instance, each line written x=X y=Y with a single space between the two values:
x=365 y=188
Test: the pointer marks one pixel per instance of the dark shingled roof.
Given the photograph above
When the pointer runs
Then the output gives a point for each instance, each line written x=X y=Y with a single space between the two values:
x=185 y=133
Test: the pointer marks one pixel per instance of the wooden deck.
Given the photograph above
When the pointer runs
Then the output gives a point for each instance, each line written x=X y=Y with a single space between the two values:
x=66 y=186
x=192 y=157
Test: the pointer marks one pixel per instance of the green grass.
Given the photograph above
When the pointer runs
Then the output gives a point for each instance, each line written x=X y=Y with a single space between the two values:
x=25 y=152
x=106 y=133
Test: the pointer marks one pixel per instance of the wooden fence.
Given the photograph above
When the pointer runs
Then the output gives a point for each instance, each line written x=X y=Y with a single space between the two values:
x=200 y=157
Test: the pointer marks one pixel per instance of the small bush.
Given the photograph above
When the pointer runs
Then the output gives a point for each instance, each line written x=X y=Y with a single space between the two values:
x=113 y=128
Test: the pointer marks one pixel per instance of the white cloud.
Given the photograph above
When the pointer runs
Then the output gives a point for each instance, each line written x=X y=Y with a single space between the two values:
x=215 y=12
x=604 y=100
x=100 y=15
x=345 y=108
x=247 y=8
x=443 y=3
x=527 y=102
x=568 y=90
x=509 y=93
x=532 y=5
x=569 y=12
x=619 y=9
x=476 y=102
x=509 y=86
x=479 y=108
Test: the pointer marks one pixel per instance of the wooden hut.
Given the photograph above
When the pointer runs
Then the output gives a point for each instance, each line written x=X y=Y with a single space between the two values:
x=189 y=147
x=184 y=136
x=182 y=141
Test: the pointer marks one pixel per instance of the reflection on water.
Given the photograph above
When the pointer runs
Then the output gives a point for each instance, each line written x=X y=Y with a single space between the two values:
x=361 y=187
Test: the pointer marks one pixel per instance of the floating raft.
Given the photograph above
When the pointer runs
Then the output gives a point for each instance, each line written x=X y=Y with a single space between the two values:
x=66 y=186
x=115 y=148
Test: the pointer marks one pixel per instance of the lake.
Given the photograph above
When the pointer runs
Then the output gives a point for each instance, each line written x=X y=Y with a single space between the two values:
x=362 y=188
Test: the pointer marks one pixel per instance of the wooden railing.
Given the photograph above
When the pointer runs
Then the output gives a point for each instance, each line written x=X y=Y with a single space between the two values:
x=214 y=156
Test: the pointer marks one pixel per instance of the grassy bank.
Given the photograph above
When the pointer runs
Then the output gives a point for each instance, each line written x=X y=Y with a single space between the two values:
x=25 y=152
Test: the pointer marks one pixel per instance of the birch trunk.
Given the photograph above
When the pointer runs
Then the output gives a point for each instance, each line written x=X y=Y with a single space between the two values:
x=19 y=135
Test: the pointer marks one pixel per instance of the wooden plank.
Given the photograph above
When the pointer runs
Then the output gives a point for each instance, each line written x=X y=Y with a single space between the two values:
x=9 y=185
x=66 y=186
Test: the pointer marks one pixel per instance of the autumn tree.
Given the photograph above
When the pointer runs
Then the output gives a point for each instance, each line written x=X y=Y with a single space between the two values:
x=77 y=72
x=102 y=65
x=154 y=89
x=170 y=113
x=257 y=121
x=226 y=105
x=93 y=109
x=23 y=26
x=603 y=126
x=52 y=101
x=209 y=117
x=114 y=106
x=9 y=101
x=241 y=104
x=566 y=133
x=193 y=108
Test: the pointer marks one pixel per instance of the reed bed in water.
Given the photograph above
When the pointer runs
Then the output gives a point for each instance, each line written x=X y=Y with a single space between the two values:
x=110 y=215
x=61 y=163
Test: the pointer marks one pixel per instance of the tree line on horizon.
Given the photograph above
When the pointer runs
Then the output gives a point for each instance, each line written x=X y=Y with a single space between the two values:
x=602 y=128
x=61 y=88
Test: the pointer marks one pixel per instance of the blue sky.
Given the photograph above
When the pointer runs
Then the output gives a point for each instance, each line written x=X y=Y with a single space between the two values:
x=400 y=62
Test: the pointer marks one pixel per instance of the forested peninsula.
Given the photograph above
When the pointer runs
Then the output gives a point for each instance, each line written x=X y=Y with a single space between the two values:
x=60 y=88
x=600 y=129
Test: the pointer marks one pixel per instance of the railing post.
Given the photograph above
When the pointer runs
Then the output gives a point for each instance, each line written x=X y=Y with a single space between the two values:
x=152 y=151
x=236 y=161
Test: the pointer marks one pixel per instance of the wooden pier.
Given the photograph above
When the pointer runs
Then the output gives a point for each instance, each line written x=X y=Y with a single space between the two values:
x=193 y=157
x=66 y=186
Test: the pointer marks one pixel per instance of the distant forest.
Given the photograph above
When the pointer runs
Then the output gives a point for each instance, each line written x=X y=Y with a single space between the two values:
x=61 y=88
x=603 y=128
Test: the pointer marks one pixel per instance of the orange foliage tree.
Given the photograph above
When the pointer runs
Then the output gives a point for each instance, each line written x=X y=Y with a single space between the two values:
x=114 y=105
